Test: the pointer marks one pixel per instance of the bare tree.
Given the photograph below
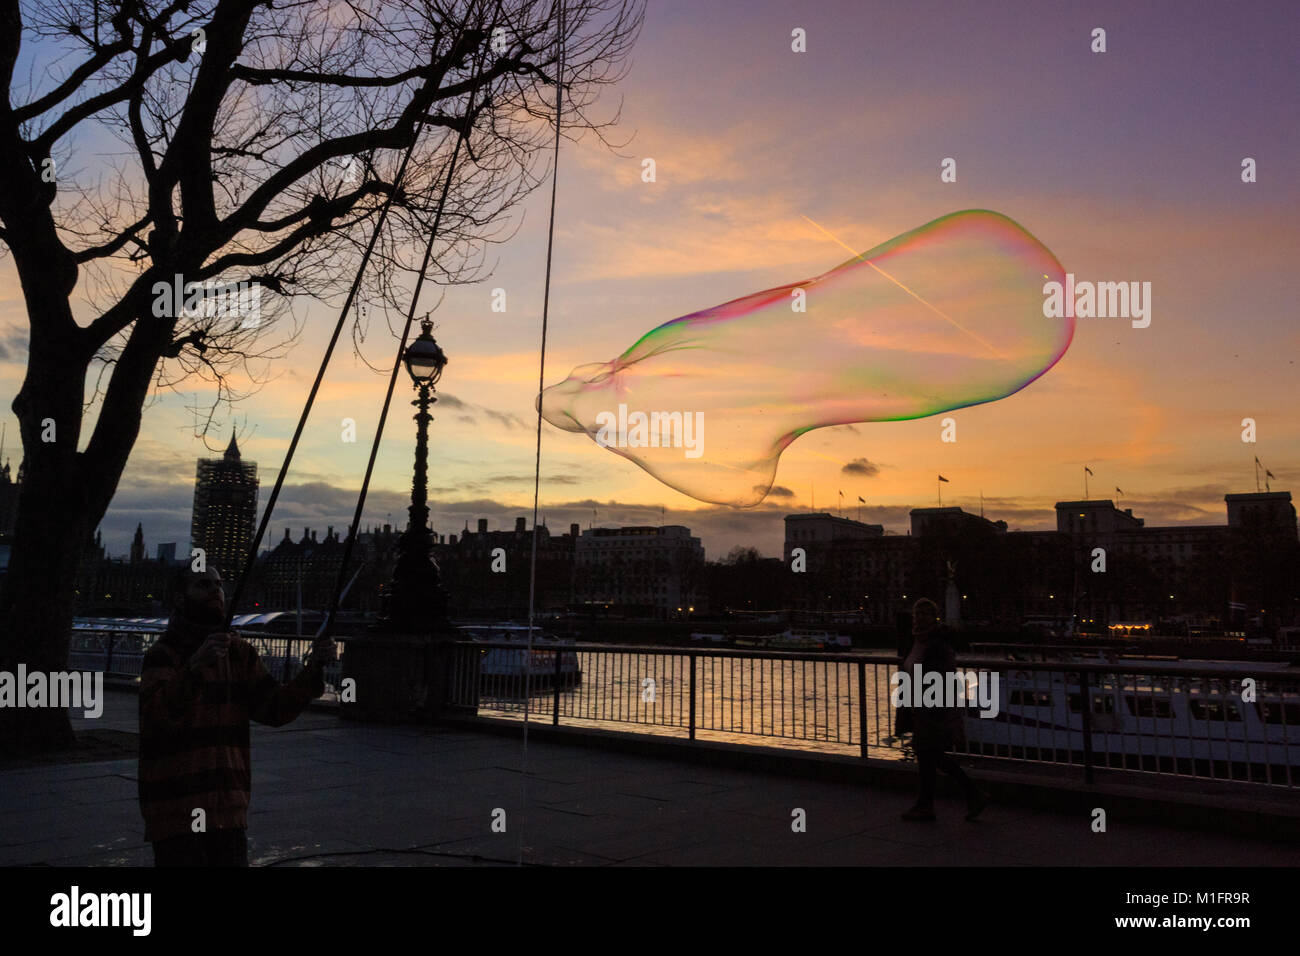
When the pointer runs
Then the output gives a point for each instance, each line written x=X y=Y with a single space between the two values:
x=742 y=555
x=259 y=140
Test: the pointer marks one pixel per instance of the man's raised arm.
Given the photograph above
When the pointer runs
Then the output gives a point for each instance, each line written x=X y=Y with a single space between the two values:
x=276 y=704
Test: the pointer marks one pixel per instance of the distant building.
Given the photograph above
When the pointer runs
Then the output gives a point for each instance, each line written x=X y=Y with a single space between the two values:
x=934 y=521
x=167 y=553
x=309 y=568
x=120 y=586
x=486 y=573
x=1102 y=565
x=1264 y=555
x=846 y=565
x=1191 y=572
x=822 y=527
x=1268 y=511
x=137 y=544
x=225 y=506
x=9 y=490
x=640 y=571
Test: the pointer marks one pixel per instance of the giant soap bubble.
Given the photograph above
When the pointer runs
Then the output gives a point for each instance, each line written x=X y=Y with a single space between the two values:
x=945 y=316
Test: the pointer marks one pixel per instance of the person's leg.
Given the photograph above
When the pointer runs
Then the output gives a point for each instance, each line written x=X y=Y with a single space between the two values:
x=228 y=848
x=189 y=849
x=927 y=771
x=944 y=762
x=976 y=799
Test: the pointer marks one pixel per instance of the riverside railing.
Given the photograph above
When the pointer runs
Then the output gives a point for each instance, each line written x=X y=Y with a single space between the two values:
x=1234 y=722
x=119 y=651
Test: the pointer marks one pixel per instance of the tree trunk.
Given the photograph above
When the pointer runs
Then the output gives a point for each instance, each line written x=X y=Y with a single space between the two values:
x=40 y=588
x=64 y=497
x=52 y=528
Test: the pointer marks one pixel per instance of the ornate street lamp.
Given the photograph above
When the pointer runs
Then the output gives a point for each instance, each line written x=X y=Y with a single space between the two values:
x=419 y=604
x=424 y=359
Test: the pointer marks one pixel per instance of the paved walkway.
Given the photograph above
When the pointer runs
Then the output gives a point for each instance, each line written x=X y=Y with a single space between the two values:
x=327 y=792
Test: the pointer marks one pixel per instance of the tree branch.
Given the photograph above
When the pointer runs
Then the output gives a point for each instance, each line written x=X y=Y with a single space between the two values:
x=103 y=55
x=107 y=249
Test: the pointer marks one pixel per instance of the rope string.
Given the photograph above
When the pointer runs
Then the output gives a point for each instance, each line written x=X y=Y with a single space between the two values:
x=541 y=383
x=320 y=375
x=397 y=365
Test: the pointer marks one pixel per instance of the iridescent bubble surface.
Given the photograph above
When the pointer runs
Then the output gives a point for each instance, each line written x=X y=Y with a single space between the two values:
x=942 y=317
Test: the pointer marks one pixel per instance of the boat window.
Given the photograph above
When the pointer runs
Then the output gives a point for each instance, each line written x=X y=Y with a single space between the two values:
x=1031 y=698
x=1214 y=709
x=1146 y=706
x=1275 y=712
x=1101 y=704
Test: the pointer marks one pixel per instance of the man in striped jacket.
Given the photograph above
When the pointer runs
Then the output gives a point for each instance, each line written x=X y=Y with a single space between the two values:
x=199 y=686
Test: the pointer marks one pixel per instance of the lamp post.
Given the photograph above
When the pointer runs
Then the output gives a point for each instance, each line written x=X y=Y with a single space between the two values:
x=418 y=602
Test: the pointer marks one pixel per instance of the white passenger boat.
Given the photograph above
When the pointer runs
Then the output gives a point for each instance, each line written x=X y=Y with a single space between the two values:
x=1152 y=721
x=539 y=665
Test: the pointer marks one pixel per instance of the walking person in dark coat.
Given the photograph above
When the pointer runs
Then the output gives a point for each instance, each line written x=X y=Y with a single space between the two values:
x=936 y=730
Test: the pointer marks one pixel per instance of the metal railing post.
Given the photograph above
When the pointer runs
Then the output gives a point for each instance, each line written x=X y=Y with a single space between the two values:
x=692 y=705
x=555 y=706
x=1086 y=696
x=862 y=707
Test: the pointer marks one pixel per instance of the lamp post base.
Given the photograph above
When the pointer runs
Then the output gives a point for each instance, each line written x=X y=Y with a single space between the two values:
x=403 y=678
x=395 y=679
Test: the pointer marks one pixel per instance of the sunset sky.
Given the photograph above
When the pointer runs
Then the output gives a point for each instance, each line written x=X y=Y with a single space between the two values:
x=1126 y=165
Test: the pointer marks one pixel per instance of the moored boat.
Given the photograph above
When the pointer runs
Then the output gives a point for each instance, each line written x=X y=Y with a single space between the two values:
x=1215 y=725
x=537 y=663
